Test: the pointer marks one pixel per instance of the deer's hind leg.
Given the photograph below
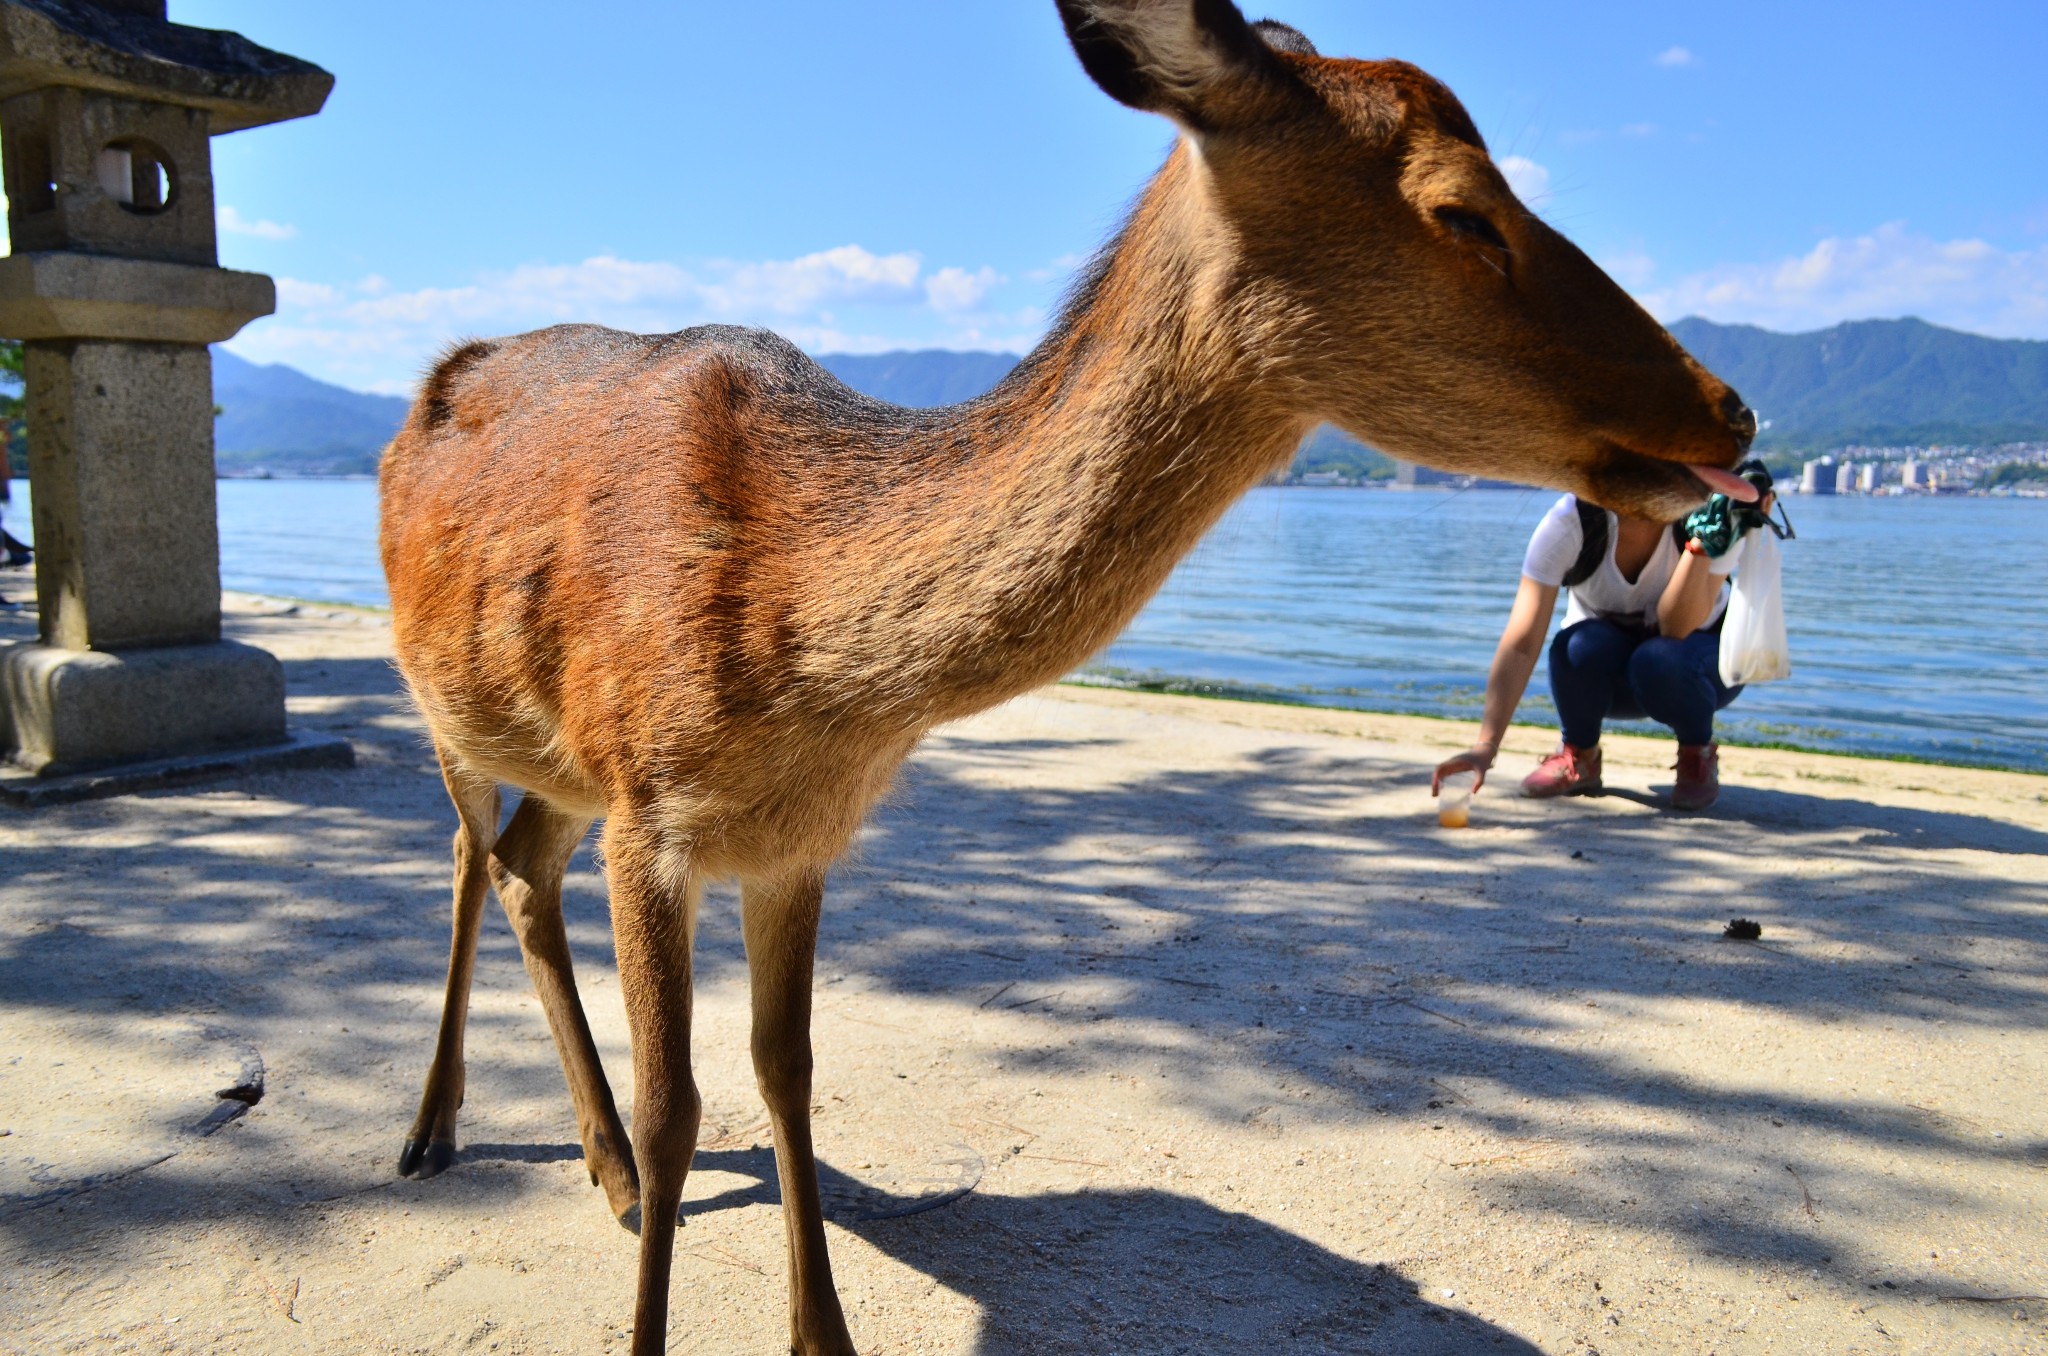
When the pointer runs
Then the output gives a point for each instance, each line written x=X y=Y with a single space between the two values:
x=430 y=1145
x=655 y=892
x=526 y=867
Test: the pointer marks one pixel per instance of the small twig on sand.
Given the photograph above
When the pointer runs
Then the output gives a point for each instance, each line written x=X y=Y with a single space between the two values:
x=1992 y=1299
x=1048 y=1158
x=725 y=1258
x=1528 y=1148
x=1807 y=1202
x=728 y=1138
x=863 y=1021
x=284 y=1300
x=1028 y=1134
x=1432 y=1012
x=1027 y=1002
x=997 y=994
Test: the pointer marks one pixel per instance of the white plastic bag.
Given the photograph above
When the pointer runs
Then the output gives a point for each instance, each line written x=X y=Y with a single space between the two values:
x=1753 y=645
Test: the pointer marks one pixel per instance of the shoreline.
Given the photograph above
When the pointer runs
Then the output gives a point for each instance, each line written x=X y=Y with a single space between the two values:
x=1193 y=688
x=1200 y=690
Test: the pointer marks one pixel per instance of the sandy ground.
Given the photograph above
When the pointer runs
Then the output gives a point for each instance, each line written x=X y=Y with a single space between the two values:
x=1238 y=1051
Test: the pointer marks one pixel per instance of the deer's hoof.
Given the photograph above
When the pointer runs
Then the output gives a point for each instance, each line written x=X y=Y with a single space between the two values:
x=424 y=1160
x=629 y=1219
x=621 y=1185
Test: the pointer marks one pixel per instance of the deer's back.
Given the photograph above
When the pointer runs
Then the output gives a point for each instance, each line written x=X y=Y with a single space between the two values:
x=602 y=549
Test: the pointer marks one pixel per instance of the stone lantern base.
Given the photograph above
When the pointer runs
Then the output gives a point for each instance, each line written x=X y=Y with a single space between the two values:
x=84 y=723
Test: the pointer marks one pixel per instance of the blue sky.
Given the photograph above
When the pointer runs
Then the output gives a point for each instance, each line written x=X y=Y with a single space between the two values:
x=928 y=173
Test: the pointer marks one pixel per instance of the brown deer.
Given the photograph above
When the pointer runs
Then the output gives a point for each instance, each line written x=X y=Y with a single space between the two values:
x=691 y=585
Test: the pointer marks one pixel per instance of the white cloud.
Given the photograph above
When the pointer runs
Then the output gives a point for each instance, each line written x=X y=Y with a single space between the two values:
x=955 y=289
x=1530 y=180
x=293 y=292
x=1892 y=271
x=371 y=335
x=1639 y=129
x=789 y=287
x=1673 y=56
x=234 y=223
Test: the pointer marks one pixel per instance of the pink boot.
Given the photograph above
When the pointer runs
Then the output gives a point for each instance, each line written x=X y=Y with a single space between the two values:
x=1568 y=772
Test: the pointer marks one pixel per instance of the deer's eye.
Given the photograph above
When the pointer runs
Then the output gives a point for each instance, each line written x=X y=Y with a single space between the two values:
x=1471 y=226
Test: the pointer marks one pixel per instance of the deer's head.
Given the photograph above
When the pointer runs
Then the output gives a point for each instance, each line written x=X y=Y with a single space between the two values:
x=1400 y=289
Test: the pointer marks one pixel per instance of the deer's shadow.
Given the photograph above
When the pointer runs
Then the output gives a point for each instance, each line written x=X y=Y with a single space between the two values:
x=1133 y=1270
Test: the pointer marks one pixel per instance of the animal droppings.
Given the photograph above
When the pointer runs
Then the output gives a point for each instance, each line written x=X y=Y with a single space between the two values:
x=1742 y=930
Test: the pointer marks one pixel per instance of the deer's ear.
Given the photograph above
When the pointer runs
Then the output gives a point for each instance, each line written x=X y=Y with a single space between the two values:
x=1196 y=61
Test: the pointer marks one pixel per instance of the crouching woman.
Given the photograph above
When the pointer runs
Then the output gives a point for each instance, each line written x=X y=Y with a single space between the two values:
x=1641 y=638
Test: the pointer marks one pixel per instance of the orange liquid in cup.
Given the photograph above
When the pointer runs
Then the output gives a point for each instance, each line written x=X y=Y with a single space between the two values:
x=1454 y=800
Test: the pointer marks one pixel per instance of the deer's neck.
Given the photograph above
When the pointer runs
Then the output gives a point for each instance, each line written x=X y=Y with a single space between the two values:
x=1120 y=442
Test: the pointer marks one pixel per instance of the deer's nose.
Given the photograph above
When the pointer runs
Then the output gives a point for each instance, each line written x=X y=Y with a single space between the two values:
x=1741 y=419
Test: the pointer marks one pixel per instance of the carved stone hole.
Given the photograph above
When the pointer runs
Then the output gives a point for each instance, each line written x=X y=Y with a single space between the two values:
x=137 y=174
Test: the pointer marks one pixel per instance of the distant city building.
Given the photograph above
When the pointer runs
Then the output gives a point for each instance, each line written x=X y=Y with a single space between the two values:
x=1866 y=477
x=1845 y=479
x=1818 y=477
x=1911 y=475
x=1408 y=476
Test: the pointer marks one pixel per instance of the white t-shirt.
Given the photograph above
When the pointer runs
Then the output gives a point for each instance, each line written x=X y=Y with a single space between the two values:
x=1554 y=548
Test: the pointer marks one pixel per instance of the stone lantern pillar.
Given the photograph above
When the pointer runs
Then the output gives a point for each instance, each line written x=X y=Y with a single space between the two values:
x=106 y=110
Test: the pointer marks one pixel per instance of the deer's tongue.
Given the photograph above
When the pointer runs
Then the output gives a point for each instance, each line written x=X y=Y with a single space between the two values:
x=1726 y=482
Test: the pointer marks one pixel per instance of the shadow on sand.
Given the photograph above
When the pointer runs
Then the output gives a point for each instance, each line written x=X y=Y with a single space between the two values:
x=1318 y=941
x=1133 y=1270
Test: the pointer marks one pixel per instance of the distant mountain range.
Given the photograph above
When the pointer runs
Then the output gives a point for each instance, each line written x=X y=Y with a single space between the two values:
x=1878 y=382
x=930 y=376
x=277 y=418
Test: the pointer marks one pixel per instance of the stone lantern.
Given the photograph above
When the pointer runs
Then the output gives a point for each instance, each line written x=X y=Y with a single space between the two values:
x=114 y=285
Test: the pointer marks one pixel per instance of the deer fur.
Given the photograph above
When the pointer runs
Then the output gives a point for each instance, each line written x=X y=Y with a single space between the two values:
x=691 y=585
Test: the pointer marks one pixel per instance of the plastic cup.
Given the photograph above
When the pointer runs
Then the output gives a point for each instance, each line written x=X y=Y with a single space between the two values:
x=1454 y=800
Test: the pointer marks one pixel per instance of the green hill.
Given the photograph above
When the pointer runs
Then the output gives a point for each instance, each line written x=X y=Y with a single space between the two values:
x=1879 y=382
x=277 y=418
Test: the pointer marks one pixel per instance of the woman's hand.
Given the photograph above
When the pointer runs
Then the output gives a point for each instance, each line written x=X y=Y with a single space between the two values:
x=1477 y=760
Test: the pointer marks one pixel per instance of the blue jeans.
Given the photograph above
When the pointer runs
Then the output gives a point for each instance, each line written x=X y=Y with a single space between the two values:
x=1599 y=669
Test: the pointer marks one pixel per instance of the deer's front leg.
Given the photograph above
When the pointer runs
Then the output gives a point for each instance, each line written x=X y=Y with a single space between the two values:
x=654 y=915
x=781 y=926
x=430 y=1145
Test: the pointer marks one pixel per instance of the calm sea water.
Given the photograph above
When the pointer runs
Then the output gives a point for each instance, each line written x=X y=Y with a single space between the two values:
x=1918 y=626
